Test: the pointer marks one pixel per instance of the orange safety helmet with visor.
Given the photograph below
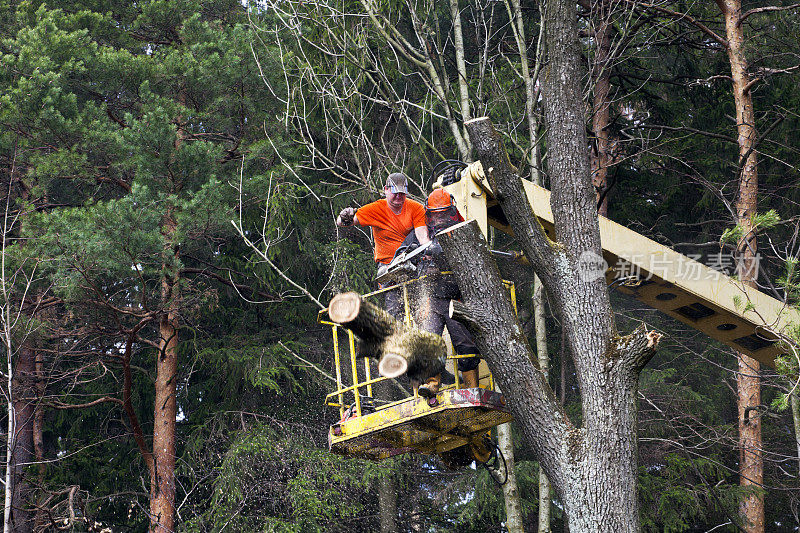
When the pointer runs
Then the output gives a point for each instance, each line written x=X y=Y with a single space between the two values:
x=440 y=211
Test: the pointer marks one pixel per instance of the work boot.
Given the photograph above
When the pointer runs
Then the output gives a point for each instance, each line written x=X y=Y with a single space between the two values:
x=430 y=387
x=469 y=379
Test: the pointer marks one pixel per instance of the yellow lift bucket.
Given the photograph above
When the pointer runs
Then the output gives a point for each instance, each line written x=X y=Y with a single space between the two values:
x=453 y=418
x=416 y=426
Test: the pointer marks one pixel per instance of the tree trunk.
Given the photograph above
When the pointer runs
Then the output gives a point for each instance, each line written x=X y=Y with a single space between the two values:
x=513 y=504
x=162 y=478
x=593 y=468
x=10 y=432
x=601 y=118
x=795 y=403
x=461 y=68
x=514 y=522
x=399 y=348
x=751 y=464
x=387 y=485
x=534 y=161
x=543 y=356
x=22 y=453
x=387 y=502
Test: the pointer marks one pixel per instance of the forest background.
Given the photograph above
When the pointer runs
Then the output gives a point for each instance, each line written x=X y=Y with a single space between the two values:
x=138 y=320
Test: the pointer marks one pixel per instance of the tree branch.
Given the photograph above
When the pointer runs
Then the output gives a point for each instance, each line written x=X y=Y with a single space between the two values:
x=764 y=10
x=507 y=189
x=498 y=334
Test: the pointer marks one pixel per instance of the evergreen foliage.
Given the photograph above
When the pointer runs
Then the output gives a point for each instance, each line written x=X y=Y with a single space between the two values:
x=118 y=117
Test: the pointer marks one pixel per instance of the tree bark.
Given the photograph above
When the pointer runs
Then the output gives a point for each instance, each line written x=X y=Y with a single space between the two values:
x=592 y=468
x=751 y=463
x=461 y=68
x=514 y=522
x=795 y=403
x=162 y=476
x=22 y=453
x=534 y=161
x=543 y=356
x=601 y=118
x=387 y=503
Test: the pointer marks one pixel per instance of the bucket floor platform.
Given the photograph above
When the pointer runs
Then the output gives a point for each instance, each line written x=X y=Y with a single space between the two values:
x=415 y=426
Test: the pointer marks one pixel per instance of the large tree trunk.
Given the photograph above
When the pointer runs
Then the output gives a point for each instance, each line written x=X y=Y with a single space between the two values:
x=162 y=477
x=592 y=468
x=751 y=461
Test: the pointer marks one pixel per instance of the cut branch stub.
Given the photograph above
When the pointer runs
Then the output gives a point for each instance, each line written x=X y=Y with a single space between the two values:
x=399 y=348
x=459 y=312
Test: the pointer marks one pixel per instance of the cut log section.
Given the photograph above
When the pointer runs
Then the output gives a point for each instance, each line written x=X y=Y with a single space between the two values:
x=399 y=348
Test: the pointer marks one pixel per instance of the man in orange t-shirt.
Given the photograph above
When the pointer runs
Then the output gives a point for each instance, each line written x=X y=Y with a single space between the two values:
x=391 y=219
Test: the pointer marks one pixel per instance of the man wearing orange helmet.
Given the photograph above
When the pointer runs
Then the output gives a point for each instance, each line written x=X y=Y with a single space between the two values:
x=433 y=311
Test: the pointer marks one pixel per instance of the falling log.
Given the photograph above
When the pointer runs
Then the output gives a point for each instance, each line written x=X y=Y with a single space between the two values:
x=399 y=348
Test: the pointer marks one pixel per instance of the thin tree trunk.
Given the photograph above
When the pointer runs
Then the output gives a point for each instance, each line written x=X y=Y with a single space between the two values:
x=387 y=485
x=795 y=403
x=601 y=118
x=10 y=431
x=387 y=502
x=461 y=68
x=38 y=435
x=751 y=465
x=23 y=451
x=534 y=164
x=544 y=364
x=534 y=161
x=514 y=522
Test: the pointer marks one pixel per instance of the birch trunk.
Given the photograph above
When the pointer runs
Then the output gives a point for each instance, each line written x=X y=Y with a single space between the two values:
x=461 y=68
x=751 y=461
x=534 y=164
x=10 y=431
x=534 y=161
x=514 y=522
x=544 y=364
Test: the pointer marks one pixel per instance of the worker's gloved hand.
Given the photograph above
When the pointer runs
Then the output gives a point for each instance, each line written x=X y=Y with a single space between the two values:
x=346 y=216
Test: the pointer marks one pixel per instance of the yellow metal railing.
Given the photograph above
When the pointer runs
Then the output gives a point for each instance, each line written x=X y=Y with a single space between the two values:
x=363 y=389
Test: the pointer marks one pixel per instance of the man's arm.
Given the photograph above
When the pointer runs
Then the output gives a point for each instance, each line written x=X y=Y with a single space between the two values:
x=422 y=234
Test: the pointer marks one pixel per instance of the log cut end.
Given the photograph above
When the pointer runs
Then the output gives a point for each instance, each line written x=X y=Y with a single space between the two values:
x=344 y=307
x=454 y=227
x=392 y=365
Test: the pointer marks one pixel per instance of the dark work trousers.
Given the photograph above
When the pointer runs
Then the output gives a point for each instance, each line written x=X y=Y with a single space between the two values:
x=434 y=315
x=394 y=303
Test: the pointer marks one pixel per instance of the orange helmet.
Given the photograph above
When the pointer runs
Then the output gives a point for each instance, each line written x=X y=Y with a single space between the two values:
x=440 y=211
x=439 y=200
